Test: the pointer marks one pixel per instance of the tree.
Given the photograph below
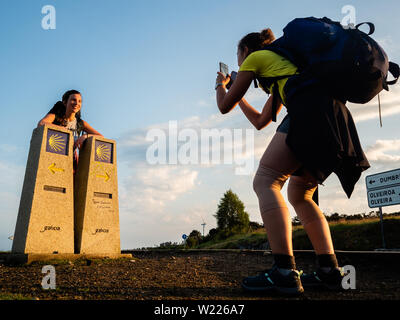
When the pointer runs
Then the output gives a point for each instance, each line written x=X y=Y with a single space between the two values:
x=231 y=217
x=194 y=239
x=212 y=234
x=334 y=217
x=255 y=226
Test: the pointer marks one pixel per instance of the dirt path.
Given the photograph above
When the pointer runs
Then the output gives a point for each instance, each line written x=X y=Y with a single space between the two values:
x=190 y=275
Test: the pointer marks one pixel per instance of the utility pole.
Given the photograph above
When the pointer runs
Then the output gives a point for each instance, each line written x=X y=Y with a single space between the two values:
x=203 y=224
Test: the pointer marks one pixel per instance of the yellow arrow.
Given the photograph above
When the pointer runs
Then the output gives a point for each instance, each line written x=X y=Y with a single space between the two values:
x=106 y=177
x=53 y=168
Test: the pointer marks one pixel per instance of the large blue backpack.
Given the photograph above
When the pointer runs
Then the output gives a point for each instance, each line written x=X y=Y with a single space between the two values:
x=347 y=61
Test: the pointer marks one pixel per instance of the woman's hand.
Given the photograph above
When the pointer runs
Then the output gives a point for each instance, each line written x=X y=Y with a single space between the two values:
x=226 y=101
x=80 y=141
x=222 y=79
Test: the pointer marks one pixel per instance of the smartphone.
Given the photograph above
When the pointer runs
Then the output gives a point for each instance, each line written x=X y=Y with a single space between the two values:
x=233 y=77
x=223 y=68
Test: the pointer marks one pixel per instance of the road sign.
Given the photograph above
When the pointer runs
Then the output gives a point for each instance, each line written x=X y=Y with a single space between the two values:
x=384 y=197
x=184 y=236
x=383 y=179
x=383 y=189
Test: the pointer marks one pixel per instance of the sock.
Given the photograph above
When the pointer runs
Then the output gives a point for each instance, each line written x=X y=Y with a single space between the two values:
x=327 y=261
x=284 y=272
x=284 y=261
x=325 y=269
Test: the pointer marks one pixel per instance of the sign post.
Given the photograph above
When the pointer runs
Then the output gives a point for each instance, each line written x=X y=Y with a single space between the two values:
x=383 y=189
x=383 y=234
x=184 y=237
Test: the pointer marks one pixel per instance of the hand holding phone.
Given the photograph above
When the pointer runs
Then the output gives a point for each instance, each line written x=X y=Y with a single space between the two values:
x=233 y=77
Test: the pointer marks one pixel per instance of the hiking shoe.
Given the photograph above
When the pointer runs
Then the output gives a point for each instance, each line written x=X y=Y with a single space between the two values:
x=273 y=280
x=331 y=280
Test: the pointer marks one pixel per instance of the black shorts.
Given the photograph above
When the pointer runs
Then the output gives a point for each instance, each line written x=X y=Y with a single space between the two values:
x=284 y=125
x=284 y=128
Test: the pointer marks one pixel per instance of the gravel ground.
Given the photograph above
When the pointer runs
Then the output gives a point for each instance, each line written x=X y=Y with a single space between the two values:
x=190 y=275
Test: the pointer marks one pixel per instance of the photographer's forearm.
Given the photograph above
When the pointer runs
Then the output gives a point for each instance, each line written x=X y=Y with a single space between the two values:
x=252 y=114
x=223 y=105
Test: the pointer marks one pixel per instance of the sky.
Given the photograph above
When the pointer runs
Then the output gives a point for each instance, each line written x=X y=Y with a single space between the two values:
x=144 y=65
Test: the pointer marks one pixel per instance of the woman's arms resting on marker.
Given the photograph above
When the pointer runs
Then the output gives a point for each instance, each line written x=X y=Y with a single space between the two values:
x=89 y=131
x=228 y=100
x=49 y=118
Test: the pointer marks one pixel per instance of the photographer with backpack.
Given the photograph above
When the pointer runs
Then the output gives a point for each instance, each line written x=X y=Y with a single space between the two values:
x=316 y=138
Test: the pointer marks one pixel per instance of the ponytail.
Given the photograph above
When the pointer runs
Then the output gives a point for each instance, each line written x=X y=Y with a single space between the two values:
x=256 y=40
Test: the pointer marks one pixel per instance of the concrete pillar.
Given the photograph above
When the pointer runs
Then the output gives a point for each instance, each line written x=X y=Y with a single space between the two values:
x=96 y=198
x=45 y=222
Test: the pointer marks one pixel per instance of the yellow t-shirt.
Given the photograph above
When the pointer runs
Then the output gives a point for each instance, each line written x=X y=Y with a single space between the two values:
x=265 y=63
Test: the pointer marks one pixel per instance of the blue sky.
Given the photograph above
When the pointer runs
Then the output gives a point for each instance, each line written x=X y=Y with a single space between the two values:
x=140 y=64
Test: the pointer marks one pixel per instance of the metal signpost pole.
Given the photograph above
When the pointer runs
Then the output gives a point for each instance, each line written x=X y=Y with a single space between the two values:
x=184 y=237
x=383 y=235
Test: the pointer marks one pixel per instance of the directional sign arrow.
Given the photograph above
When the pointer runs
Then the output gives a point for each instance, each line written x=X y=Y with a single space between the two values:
x=54 y=169
x=383 y=179
x=106 y=177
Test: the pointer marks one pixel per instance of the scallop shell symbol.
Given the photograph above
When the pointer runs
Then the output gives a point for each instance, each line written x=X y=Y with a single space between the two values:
x=103 y=153
x=56 y=142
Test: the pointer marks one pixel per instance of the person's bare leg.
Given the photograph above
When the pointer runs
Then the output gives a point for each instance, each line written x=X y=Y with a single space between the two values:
x=278 y=226
x=276 y=165
x=300 y=192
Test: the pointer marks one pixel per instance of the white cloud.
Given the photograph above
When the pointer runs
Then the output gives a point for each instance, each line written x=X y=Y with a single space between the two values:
x=150 y=189
x=378 y=152
x=390 y=105
x=256 y=96
x=388 y=44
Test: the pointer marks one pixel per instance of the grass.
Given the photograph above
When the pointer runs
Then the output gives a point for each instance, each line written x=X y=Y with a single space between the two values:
x=356 y=236
x=346 y=235
x=12 y=296
x=255 y=238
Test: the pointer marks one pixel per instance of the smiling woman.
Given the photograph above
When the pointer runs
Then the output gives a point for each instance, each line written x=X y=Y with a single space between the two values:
x=67 y=113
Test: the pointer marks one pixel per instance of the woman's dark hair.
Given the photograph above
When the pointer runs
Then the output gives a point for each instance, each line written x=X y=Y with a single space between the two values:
x=256 y=40
x=65 y=98
x=66 y=95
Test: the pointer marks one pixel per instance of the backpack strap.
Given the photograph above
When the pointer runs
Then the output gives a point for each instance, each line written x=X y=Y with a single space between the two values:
x=371 y=27
x=275 y=94
x=266 y=83
x=394 y=69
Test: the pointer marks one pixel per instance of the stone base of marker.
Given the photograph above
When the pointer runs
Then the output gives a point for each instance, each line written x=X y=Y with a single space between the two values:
x=96 y=198
x=21 y=258
x=45 y=222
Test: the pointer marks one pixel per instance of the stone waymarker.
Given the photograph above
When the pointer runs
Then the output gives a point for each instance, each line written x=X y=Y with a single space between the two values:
x=45 y=222
x=96 y=199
